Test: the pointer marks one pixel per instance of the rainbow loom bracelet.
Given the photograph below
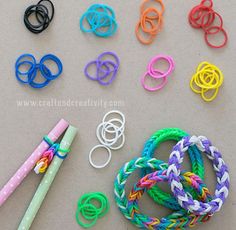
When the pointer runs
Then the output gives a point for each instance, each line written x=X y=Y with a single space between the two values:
x=161 y=176
x=222 y=175
x=167 y=134
x=173 y=221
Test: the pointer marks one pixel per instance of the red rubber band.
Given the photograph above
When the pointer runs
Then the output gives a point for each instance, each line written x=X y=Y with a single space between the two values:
x=219 y=29
x=204 y=1
x=203 y=16
x=205 y=27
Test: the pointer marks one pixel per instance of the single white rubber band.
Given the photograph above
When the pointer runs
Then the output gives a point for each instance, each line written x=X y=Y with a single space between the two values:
x=91 y=153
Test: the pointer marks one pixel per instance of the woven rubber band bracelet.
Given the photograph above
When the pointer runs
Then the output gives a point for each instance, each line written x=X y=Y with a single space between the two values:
x=222 y=175
x=51 y=143
x=161 y=176
x=47 y=157
x=175 y=219
x=150 y=147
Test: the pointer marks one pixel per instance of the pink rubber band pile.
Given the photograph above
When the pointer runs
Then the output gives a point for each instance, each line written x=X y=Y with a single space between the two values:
x=160 y=76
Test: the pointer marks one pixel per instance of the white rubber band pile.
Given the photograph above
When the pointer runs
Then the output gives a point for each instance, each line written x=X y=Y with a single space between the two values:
x=110 y=134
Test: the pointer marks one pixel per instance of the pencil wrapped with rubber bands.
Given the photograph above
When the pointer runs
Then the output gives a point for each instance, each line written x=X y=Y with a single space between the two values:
x=29 y=164
x=48 y=178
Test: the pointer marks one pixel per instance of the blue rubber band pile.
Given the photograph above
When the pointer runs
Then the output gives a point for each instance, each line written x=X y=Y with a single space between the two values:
x=101 y=19
x=29 y=76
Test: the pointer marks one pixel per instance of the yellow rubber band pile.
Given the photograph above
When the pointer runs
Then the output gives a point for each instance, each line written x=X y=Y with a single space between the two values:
x=207 y=81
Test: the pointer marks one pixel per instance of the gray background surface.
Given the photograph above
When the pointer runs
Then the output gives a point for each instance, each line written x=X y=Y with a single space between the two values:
x=175 y=106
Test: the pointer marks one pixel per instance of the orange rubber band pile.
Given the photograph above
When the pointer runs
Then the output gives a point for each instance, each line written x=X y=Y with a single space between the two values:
x=151 y=21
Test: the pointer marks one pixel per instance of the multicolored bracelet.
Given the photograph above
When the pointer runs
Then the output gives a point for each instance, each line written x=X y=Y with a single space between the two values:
x=222 y=174
x=192 y=202
x=170 y=134
x=161 y=176
x=176 y=220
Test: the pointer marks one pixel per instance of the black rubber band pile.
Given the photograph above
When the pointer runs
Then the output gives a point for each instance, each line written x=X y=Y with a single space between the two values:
x=43 y=12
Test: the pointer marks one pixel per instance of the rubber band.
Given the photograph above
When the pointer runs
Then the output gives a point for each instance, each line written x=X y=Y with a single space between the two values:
x=156 y=88
x=105 y=55
x=24 y=60
x=42 y=16
x=197 y=14
x=78 y=219
x=209 y=1
x=157 y=74
x=113 y=147
x=155 y=27
x=159 y=2
x=44 y=70
x=100 y=133
x=110 y=134
x=149 y=38
x=213 y=15
x=112 y=72
x=30 y=75
x=185 y=200
x=111 y=127
x=108 y=159
x=48 y=140
x=149 y=24
x=101 y=20
x=63 y=157
x=115 y=112
x=207 y=79
x=106 y=69
x=98 y=199
x=203 y=16
x=107 y=9
x=219 y=29
x=87 y=207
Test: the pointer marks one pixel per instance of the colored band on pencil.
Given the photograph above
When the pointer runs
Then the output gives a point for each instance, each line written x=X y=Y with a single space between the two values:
x=49 y=154
x=57 y=147
x=48 y=140
x=63 y=151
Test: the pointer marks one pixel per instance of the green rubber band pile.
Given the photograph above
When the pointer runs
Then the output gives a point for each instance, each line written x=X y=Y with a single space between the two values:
x=91 y=206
